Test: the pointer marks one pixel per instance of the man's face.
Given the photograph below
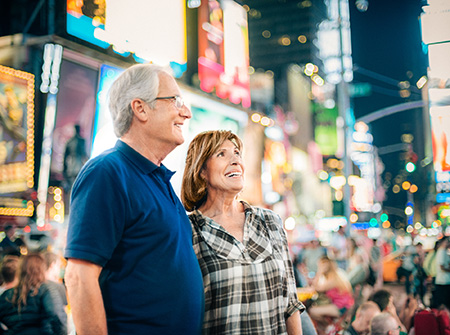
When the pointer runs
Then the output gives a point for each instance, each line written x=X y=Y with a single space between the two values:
x=10 y=233
x=166 y=120
x=367 y=317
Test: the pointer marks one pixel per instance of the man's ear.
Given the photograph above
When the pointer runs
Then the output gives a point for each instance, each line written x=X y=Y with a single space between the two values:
x=139 y=110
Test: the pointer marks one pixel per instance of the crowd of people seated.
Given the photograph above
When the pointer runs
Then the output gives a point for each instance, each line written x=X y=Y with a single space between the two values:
x=348 y=302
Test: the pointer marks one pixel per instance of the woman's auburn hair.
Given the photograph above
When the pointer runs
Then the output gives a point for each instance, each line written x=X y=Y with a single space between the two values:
x=202 y=147
x=31 y=275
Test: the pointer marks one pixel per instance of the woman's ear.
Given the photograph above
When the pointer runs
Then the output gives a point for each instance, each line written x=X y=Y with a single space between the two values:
x=203 y=174
x=138 y=107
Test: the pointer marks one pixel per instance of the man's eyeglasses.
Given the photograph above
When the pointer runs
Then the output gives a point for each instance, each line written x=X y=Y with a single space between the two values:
x=179 y=102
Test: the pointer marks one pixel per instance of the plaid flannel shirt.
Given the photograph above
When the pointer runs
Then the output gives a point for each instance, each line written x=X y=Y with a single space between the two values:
x=250 y=286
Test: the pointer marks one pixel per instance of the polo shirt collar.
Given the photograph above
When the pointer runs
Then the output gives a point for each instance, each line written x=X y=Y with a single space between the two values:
x=142 y=163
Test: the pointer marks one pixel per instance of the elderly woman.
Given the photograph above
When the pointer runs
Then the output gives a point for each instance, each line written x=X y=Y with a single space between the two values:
x=242 y=250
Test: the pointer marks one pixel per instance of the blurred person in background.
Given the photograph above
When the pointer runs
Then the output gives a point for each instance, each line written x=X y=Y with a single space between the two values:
x=242 y=250
x=407 y=266
x=131 y=268
x=363 y=317
x=384 y=324
x=7 y=245
x=358 y=264
x=430 y=267
x=30 y=308
x=52 y=274
x=311 y=255
x=8 y=271
x=385 y=301
x=335 y=292
x=441 y=295
x=339 y=248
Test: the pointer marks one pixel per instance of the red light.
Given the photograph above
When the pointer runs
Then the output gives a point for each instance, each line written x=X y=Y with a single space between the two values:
x=27 y=229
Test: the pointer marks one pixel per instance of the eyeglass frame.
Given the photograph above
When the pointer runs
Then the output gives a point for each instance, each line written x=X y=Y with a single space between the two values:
x=179 y=102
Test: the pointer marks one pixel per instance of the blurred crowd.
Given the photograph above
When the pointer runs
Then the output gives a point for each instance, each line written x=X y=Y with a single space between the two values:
x=33 y=298
x=341 y=284
x=343 y=288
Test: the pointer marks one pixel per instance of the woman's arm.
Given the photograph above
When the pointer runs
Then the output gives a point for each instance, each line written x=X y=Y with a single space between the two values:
x=294 y=324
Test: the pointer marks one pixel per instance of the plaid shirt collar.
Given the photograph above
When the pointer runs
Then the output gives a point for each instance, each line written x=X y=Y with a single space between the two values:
x=256 y=245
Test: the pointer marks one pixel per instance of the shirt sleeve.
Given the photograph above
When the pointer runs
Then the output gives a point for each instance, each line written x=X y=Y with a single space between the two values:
x=294 y=304
x=97 y=215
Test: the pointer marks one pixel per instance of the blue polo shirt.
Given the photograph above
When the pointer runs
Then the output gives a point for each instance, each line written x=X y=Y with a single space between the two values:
x=125 y=217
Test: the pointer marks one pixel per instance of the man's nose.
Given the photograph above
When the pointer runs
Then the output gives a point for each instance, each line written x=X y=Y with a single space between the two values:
x=186 y=112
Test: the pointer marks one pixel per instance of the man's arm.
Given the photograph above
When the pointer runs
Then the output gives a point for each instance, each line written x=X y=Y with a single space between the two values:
x=85 y=297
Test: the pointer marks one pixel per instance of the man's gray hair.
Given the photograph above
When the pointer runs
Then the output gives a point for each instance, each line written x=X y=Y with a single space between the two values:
x=139 y=81
x=382 y=323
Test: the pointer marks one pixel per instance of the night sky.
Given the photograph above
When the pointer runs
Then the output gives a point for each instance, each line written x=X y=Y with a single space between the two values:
x=387 y=48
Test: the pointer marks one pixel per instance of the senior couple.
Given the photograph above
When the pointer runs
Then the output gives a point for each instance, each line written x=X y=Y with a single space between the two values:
x=137 y=264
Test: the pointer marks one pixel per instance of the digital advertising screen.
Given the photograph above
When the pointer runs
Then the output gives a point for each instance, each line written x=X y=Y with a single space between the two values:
x=75 y=109
x=16 y=141
x=150 y=30
x=103 y=136
x=223 y=51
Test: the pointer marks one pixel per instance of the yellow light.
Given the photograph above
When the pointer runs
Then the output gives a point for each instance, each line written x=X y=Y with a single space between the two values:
x=417 y=225
x=251 y=70
x=323 y=175
x=386 y=224
x=318 y=80
x=270 y=74
x=57 y=206
x=409 y=229
x=405 y=93
x=338 y=195
x=353 y=217
x=337 y=182
x=406 y=185
x=396 y=189
x=265 y=121
x=57 y=197
x=256 y=117
x=421 y=82
x=284 y=40
x=302 y=39
x=413 y=188
x=266 y=34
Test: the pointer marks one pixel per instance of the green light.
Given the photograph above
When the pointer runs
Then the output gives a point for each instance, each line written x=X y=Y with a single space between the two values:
x=410 y=167
x=384 y=217
x=373 y=222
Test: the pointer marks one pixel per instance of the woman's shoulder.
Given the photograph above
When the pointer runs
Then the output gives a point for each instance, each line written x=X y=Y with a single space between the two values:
x=262 y=213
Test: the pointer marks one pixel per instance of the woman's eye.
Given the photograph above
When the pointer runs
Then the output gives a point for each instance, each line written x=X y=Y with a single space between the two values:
x=220 y=154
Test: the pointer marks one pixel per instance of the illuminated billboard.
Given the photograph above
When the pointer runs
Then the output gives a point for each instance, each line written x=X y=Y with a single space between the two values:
x=75 y=107
x=150 y=30
x=103 y=136
x=223 y=50
x=16 y=141
x=325 y=130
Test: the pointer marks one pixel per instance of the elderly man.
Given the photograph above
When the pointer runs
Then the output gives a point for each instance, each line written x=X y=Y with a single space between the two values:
x=384 y=324
x=364 y=314
x=131 y=267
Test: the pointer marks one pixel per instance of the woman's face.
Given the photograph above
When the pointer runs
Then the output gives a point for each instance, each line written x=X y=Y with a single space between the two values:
x=224 y=170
